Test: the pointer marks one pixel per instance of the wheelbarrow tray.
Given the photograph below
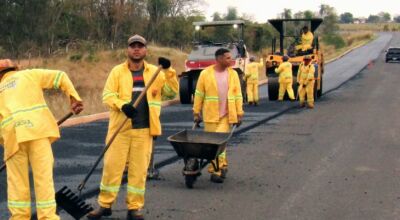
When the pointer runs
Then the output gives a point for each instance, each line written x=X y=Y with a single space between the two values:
x=199 y=144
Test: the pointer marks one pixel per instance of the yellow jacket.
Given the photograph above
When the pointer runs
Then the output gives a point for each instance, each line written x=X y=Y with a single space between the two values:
x=24 y=115
x=307 y=40
x=118 y=91
x=285 y=72
x=305 y=74
x=206 y=96
x=252 y=71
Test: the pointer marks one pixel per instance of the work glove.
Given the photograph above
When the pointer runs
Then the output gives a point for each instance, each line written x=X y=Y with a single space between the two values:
x=164 y=62
x=76 y=106
x=129 y=110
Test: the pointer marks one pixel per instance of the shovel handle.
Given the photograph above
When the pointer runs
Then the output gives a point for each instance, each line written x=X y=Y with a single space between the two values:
x=59 y=122
x=135 y=104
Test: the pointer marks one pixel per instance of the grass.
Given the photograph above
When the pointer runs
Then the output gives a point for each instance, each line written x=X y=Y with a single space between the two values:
x=370 y=27
x=89 y=71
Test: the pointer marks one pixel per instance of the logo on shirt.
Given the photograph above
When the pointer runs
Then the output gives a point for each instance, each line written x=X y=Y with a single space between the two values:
x=9 y=85
x=26 y=123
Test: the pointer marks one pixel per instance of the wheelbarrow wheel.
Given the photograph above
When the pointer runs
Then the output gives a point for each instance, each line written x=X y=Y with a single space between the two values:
x=190 y=180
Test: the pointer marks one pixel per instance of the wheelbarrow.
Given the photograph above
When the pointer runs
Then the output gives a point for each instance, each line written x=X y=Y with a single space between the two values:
x=199 y=148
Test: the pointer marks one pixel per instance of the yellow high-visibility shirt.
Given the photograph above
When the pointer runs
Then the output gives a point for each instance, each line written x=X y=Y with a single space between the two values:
x=307 y=40
x=305 y=74
x=252 y=71
x=24 y=115
x=285 y=72
x=118 y=91
x=206 y=96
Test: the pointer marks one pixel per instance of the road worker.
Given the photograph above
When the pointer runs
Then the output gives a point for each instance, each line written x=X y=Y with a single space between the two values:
x=219 y=99
x=252 y=72
x=28 y=128
x=306 y=40
x=285 y=79
x=134 y=141
x=306 y=80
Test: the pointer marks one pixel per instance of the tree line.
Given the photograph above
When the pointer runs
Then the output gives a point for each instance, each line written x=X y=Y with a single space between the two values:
x=48 y=27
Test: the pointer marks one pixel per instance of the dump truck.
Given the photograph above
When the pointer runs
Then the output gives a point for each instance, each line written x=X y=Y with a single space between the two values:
x=289 y=36
x=208 y=38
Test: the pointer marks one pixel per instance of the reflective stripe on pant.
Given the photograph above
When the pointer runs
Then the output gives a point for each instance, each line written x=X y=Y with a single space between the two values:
x=252 y=92
x=283 y=87
x=221 y=126
x=135 y=146
x=40 y=156
x=309 y=90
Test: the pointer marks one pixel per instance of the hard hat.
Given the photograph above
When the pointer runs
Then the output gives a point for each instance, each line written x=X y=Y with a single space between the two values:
x=307 y=57
x=7 y=64
x=285 y=58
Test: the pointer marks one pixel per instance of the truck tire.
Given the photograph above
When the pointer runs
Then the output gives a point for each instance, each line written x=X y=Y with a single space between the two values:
x=185 y=94
x=273 y=89
x=319 y=92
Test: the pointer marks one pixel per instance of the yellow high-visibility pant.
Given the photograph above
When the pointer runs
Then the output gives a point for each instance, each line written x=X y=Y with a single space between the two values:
x=303 y=47
x=135 y=146
x=39 y=155
x=221 y=127
x=252 y=91
x=283 y=87
x=309 y=91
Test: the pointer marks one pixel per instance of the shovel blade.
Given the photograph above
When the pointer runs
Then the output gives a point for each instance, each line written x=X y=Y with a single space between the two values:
x=72 y=203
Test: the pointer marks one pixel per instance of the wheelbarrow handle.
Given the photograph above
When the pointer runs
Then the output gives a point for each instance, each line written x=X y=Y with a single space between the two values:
x=232 y=131
x=135 y=104
x=59 y=122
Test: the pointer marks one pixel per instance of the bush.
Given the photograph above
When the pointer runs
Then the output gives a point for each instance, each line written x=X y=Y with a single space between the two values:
x=335 y=40
x=75 y=57
x=386 y=28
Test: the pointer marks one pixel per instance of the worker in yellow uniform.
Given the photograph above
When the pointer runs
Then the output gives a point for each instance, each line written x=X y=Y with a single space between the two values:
x=28 y=128
x=306 y=40
x=251 y=75
x=285 y=79
x=306 y=80
x=134 y=142
x=218 y=97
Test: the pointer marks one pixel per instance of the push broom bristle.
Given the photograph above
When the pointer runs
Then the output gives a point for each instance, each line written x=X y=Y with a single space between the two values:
x=72 y=203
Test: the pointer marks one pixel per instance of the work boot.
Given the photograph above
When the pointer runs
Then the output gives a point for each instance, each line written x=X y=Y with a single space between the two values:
x=135 y=214
x=255 y=103
x=310 y=106
x=216 y=178
x=302 y=105
x=224 y=171
x=250 y=103
x=98 y=213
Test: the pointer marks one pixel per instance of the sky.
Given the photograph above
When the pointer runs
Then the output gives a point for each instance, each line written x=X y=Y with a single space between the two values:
x=262 y=10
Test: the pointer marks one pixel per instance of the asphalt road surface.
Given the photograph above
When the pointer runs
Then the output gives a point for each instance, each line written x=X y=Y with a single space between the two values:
x=335 y=162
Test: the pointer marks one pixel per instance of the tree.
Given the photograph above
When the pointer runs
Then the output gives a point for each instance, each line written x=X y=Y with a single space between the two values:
x=346 y=18
x=217 y=16
x=373 y=19
x=385 y=17
x=330 y=24
x=232 y=14
x=308 y=14
x=397 y=19
x=286 y=14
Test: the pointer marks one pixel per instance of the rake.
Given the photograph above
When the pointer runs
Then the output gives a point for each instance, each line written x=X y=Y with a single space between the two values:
x=73 y=203
x=62 y=120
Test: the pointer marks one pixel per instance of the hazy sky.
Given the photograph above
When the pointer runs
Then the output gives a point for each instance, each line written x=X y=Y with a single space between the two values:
x=263 y=10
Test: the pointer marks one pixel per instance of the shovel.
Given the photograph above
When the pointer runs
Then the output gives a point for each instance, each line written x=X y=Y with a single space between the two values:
x=62 y=120
x=73 y=204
